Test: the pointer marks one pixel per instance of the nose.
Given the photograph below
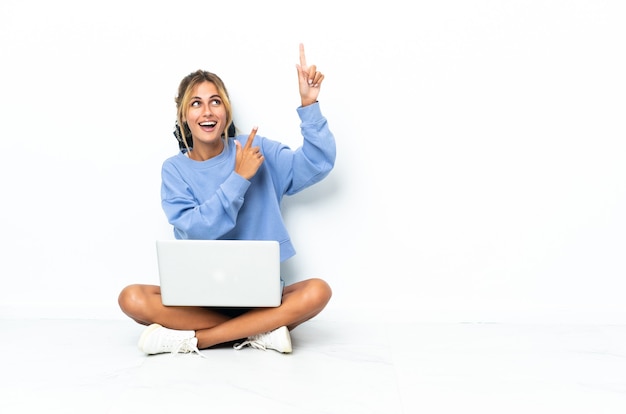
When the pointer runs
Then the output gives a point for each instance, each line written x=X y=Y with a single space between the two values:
x=208 y=109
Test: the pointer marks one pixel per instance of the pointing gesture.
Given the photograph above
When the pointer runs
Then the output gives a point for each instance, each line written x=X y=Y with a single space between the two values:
x=248 y=159
x=309 y=80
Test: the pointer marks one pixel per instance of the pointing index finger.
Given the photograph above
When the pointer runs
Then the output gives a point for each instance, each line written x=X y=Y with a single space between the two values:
x=251 y=137
x=302 y=58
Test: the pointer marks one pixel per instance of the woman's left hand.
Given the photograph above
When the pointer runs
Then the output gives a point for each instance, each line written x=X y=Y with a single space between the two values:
x=309 y=80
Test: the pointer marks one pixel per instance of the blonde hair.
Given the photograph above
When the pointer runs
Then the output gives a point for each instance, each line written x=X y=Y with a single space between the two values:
x=183 y=98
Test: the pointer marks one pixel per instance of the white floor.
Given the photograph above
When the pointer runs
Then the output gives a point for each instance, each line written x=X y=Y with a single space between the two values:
x=338 y=365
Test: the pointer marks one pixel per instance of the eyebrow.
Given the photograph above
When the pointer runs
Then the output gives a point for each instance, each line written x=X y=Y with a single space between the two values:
x=210 y=97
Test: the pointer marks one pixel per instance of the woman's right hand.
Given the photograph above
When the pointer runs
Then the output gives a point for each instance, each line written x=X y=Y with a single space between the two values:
x=248 y=159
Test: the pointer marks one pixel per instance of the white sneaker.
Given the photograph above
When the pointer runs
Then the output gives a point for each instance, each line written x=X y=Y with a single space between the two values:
x=278 y=340
x=156 y=339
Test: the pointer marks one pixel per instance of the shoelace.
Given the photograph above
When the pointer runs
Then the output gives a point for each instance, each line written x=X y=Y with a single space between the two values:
x=185 y=346
x=254 y=342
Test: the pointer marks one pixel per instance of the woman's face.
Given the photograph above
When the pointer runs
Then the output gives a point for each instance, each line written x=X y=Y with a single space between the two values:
x=206 y=115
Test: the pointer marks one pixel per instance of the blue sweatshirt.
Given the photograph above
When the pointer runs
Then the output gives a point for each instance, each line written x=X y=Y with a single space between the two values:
x=208 y=200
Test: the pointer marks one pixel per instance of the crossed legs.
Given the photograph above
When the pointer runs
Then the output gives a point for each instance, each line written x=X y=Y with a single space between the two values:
x=301 y=301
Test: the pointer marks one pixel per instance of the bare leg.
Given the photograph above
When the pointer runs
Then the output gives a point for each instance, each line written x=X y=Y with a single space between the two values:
x=301 y=301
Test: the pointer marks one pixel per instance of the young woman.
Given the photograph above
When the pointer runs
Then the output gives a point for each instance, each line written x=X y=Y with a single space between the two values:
x=222 y=187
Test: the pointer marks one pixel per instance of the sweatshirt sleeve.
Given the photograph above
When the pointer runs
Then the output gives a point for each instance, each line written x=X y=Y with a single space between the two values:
x=200 y=220
x=314 y=160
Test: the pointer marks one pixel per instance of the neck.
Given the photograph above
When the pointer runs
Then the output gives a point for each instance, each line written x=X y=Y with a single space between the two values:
x=203 y=153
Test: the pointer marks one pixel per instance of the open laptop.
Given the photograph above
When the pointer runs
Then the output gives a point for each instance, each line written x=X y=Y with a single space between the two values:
x=219 y=273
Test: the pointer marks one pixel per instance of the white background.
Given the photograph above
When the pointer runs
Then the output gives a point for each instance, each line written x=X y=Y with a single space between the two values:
x=481 y=145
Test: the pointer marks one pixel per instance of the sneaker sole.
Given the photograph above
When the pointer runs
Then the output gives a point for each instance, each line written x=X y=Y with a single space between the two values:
x=145 y=334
